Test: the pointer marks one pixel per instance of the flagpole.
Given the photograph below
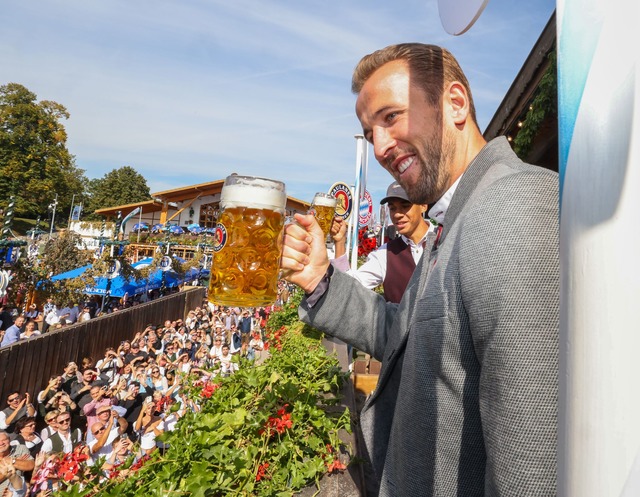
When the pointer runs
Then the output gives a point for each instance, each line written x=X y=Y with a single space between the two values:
x=358 y=195
x=139 y=223
x=71 y=210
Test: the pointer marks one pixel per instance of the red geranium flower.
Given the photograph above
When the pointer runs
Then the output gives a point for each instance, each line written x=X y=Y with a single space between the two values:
x=262 y=471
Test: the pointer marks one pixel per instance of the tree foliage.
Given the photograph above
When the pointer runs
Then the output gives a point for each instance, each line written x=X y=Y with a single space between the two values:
x=62 y=253
x=35 y=163
x=120 y=186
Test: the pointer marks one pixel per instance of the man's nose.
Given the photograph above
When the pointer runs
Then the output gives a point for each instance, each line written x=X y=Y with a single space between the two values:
x=383 y=143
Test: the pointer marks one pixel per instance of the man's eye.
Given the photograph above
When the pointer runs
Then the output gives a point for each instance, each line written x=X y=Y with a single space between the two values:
x=390 y=116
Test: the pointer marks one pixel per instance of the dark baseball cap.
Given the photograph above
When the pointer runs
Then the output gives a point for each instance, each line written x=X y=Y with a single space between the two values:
x=395 y=191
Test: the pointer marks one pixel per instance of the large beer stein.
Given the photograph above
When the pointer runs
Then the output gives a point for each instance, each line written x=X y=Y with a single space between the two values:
x=323 y=207
x=248 y=242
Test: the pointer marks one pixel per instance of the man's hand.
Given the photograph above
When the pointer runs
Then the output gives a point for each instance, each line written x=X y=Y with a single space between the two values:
x=304 y=255
x=338 y=230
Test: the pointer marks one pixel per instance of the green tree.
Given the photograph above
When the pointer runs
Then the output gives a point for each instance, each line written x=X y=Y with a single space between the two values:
x=120 y=186
x=35 y=163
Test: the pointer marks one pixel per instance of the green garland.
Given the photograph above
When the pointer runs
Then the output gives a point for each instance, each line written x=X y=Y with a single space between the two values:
x=543 y=105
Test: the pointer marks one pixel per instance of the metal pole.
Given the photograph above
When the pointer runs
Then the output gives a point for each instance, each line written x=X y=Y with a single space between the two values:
x=53 y=215
x=73 y=199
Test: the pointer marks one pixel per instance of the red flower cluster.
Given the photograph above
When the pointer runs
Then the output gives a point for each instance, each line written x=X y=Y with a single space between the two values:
x=262 y=471
x=209 y=388
x=140 y=462
x=278 y=423
x=162 y=403
x=70 y=463
x=366 y=244
x=335 y=465
x=275 y=338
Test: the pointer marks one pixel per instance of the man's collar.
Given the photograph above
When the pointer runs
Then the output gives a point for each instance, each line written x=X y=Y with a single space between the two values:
x=439 y=209
x=410 y=243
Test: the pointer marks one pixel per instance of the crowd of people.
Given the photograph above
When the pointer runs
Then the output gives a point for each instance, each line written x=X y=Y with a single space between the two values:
x=111 y=409
x=35 y=320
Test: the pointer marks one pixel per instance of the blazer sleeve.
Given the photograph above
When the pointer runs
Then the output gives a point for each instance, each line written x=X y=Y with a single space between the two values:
x=509 y=271
x=352 y=313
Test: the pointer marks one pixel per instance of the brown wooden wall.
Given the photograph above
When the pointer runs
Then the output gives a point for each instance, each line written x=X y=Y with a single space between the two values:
x=28 y=365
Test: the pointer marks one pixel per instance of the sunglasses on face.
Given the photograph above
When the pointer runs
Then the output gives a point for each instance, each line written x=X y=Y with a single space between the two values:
x=99 y=430
x=64 y=421
x=13 y=399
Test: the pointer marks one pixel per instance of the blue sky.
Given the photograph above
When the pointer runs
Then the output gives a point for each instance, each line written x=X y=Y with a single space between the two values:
x=190 y=91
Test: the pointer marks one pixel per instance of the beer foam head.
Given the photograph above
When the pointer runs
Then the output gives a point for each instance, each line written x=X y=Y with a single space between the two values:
x=243 y=191
x=326 y=201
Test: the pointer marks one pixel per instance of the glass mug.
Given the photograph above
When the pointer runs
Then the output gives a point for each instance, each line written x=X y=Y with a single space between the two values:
x=248 y=242
x=323 y=207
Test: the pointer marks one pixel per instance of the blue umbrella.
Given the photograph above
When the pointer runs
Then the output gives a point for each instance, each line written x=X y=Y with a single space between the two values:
x=197 y=230
x=140 y=227
x=176 y=230
x=193 y=226
x=157 y=228
x=73 y=273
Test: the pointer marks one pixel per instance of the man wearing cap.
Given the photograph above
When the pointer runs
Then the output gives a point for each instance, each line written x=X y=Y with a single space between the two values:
x=101 y=434
x=394 y=262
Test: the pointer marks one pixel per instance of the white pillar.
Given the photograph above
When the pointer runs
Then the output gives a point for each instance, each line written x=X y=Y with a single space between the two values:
x=599 y=107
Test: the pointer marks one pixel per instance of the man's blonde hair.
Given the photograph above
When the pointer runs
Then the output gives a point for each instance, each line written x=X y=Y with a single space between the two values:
x=431 y=67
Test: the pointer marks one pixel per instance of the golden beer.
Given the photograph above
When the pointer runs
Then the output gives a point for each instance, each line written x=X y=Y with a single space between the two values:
x=323 y=207
x=248 y=242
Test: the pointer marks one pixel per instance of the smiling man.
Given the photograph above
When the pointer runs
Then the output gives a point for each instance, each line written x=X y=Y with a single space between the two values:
x=466 y=402
x=394 y=262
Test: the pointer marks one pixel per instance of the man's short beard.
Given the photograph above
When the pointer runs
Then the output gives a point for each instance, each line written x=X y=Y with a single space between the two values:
x=435 y=157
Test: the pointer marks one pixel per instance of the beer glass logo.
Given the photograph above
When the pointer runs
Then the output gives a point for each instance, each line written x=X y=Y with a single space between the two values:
x=220 y=237
x=344 y=199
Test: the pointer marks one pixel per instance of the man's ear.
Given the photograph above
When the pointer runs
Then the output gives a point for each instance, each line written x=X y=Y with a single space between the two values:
x=457 y=102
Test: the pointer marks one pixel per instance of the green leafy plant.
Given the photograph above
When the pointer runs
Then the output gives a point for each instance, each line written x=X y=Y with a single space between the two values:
x=268 y=430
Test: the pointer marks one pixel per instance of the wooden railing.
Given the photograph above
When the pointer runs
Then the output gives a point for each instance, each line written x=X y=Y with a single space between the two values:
x=28 y=365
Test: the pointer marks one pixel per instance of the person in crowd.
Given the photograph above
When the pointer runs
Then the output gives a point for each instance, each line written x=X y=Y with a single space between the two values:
x=227 y=366
x=392 y=265
x=50 y=429
x=104 y=431
x=49 y=311
x=245 y=323
x=246 y=352
x=122 y=450
x=30 y=331
x=69 y=376
x=135 y=352
x=156 y=381
x=470 y=355
x=216 y=350
x=18 y=406
x=65 y=439
x=235 y=343
x=81 y=389
x=85 y=314
x=257 y=345
x=100 y=397
x=61 y=402
x=33 y=314
x=26 y=435
x=110 y=364
x=13 y=332
x=132 y=403
x=44 y=396
x=148 y=426
x=13 y=461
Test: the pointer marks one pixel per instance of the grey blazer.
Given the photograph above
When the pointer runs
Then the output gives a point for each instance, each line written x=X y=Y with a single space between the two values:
x=466 y=403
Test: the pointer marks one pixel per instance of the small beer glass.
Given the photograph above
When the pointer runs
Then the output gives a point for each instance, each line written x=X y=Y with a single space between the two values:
x=323 y=207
